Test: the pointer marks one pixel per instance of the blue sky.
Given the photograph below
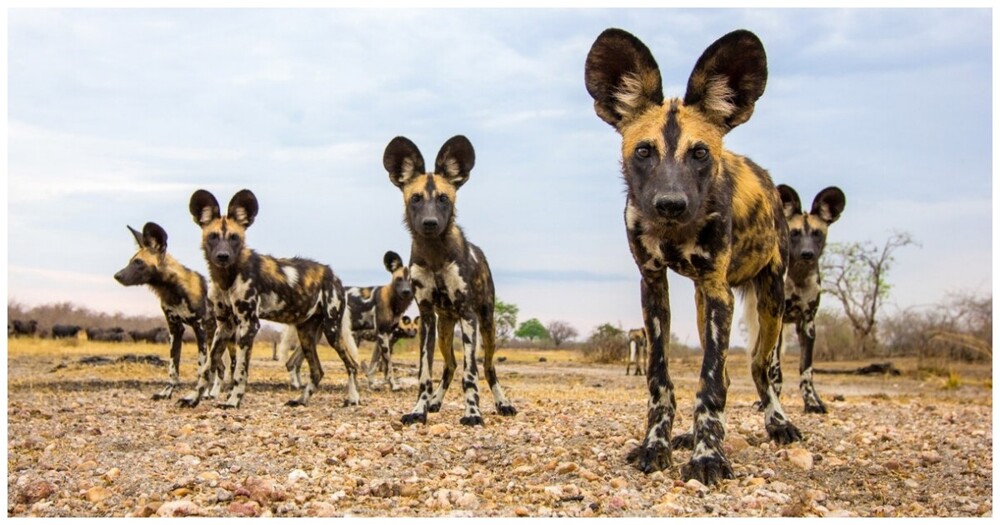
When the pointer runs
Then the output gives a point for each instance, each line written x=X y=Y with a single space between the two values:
x=116 y=116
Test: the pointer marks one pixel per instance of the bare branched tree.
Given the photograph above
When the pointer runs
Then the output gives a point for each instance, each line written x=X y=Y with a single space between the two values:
x=561 y=331
x=855 y=273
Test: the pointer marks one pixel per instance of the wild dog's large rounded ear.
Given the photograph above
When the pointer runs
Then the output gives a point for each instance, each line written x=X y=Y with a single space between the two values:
x=204 y=208
x=392 y=261
x=789 y=201
x=829 y=204
x=622 y=77
x=728 y=79
x=455 y=160
x=136 y=234
x=402 y=160
x=243 y=208
x=154 y=237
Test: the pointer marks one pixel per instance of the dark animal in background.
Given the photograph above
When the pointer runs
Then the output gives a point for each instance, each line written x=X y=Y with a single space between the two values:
x=451 y=278
x=807 y=233
x=375 y=314
x=703 y=212
x=636 y=351
x=26 y=328
x=153 y=335
x=62 y=331
x=113 y=335
x=248 y=286
x=183 y=295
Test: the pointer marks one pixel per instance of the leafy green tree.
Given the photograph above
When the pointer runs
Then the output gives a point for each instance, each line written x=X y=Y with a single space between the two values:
x=532 y=329
x=505 y=319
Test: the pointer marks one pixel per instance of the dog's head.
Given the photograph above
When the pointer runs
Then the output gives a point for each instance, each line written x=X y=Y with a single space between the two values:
x=408 y=327
x=146 y=264
x=672 y=149
x=401 y=285
x=807 y=231
x=429 y=198
x=223 y=237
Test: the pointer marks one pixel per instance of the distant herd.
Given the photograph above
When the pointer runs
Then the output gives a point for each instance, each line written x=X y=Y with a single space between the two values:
x=691 y=206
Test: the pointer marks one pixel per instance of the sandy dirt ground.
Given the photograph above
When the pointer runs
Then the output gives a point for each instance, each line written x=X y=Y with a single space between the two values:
x=87 y=440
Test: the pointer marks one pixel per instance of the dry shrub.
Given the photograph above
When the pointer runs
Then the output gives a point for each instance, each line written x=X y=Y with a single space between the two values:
x=607 y=344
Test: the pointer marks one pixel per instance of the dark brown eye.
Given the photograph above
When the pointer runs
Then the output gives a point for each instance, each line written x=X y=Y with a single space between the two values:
x=443 y=199
x=796 y=233
x=416 y=198
x=643 y=152
x=138 y=263
x=214 y=236
x=233 y=237
x=699 y=153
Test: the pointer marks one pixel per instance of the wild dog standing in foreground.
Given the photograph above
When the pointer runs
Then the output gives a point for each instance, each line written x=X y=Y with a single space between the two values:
x=183 y=298
x=451 y=278
x=705 y=213
x=806 y=240
x=636 y=350
x=248 y=286
x=375 y=316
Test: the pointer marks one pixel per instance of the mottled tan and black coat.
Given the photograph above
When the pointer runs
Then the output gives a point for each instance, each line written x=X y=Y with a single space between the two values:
x=183 y=295
x=704 y=212
x=807 y=233
x=637 y=355
x=375 y=312
x=451 y=278
x=248 y=286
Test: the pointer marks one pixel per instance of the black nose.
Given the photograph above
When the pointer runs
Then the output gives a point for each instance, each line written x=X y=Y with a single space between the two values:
x=406 y=293
x=119 y=277
x=430 y=223
x=222 y=258
x=807 y=256
x=671 y=205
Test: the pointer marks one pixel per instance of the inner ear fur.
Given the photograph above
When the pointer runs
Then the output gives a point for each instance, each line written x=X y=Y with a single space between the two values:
x=154 y=237
x=622 y=77
x=243 y=208
x=392 y=261
x=204 y=207
x=728 y=79
x=402 y=160
x=789 y=201
x=455 y=160
x=829 y=204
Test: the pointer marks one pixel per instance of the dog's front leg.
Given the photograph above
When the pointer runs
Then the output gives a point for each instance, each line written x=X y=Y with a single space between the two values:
x=428 y=338
x=708 y=463
x=654 y=452
x=807 y=339
x=176 y=331
x=471 y=338
x=246 y=330
x=208 y=363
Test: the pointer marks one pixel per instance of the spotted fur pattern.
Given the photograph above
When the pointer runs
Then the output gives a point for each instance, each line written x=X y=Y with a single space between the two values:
x=451 y=278
x=807 y=233
x=183 y=295
x=248 y=286
x=636 y=351
x=703 y=212
x=375 y=313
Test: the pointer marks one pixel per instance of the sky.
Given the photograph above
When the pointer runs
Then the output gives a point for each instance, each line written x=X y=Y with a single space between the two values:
x=115 y=117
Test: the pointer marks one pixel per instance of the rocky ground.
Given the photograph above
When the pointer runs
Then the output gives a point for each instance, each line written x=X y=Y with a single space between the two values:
x=87 y=441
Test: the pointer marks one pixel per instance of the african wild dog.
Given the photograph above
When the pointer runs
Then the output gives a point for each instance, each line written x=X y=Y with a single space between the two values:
x=375 y=315
x=705 y=213
x=806 y=240
x=636 y=351
x=248 y=286
x=451 y=278
x=183 y=295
